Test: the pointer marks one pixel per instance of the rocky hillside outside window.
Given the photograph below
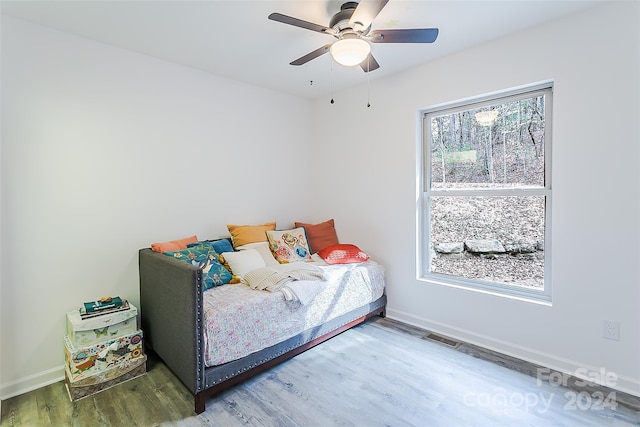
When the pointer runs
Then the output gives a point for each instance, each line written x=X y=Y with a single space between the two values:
x=486 y=194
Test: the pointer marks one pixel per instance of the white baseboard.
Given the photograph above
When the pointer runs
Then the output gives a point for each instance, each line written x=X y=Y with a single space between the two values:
x=571 y=367
x=623 y=383
x=31 y=382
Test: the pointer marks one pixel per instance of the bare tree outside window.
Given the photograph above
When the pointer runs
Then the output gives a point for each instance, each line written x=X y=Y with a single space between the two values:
x=487 y=190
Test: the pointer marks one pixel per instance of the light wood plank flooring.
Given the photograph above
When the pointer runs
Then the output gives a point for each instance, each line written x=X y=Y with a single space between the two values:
x=381 y=373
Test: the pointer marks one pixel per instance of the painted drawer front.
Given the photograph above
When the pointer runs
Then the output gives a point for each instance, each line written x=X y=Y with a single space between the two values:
x=109 y=378
x=94 y=359
x=85 y=332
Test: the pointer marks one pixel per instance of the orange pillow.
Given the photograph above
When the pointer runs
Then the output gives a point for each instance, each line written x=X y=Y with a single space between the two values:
x=245 y=234
x=173 y=245
x=343 y=254
x=320 y=235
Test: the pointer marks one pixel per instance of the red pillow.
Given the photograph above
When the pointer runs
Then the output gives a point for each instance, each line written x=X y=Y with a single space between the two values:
x=173 y=245
x=343 y=254
x=320 y=235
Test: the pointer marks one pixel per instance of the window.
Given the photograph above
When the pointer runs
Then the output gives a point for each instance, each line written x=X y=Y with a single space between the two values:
x=484 y=215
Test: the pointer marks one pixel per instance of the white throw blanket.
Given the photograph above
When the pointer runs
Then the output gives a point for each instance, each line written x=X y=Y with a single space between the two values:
x=298 y=280
x=302 y=290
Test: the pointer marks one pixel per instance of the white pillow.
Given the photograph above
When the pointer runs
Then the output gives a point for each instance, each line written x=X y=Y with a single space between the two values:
x=243 y=262
x=263 y=250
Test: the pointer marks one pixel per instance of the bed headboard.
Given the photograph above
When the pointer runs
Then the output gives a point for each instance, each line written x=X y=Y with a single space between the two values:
x=171 y=314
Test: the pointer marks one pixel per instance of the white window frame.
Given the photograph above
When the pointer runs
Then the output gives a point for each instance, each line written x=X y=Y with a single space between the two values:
x=425 y=192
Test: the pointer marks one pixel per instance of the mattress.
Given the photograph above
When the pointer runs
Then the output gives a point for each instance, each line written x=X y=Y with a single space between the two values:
x=239 y=320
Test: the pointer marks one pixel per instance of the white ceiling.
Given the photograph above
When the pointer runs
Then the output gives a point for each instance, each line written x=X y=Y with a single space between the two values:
x=236 y=40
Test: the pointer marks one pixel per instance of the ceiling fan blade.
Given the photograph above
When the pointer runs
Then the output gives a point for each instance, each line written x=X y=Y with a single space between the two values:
x=418 y=35
x=366 y=12
x=369 y=64
x=300 y=23
x=312 y=55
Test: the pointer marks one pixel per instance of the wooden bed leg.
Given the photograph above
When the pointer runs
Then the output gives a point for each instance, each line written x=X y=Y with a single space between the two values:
x=383 y=313
x=199 y=402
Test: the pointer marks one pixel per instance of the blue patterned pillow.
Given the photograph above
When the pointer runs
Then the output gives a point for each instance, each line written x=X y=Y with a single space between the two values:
x=221 y=246
x=204 y=257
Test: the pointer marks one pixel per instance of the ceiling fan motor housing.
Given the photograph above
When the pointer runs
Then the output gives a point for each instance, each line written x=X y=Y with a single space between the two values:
x=340 y=20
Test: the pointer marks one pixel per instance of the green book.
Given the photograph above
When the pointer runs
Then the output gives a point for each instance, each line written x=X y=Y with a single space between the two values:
x=102 y=304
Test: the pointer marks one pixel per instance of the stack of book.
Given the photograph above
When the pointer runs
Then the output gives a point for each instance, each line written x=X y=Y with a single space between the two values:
x=104 y=305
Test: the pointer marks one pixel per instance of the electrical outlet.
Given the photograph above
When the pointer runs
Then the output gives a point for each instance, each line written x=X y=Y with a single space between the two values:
x=611 y=330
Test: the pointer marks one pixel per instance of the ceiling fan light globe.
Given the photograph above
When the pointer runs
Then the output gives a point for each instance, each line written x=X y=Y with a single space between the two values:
x=486 y=118
x=350 y=52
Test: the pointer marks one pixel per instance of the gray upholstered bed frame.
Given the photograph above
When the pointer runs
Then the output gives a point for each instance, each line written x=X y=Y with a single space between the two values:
x=171 y=311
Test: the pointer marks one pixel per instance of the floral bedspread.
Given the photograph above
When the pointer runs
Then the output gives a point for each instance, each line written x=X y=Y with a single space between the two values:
x=240 y=320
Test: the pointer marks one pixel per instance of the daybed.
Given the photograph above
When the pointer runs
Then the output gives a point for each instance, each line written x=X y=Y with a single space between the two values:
x=208 y=337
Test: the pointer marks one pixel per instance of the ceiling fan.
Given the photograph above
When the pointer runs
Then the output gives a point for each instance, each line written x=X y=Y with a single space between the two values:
x=352 y=29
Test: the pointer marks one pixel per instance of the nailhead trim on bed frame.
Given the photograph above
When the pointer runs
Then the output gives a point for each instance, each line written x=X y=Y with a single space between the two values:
x=200 y=331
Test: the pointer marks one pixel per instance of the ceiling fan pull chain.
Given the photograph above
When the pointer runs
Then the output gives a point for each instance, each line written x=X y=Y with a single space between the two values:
x=368 y=91
x=331 y=61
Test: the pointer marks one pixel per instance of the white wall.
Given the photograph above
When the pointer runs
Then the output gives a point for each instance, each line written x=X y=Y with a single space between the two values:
x=105 y=151
x=365 y=178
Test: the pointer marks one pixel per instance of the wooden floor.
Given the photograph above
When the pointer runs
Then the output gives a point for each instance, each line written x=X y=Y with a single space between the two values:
x=382 y=373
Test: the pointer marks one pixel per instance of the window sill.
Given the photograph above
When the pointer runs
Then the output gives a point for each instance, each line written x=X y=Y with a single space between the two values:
x=497 y=290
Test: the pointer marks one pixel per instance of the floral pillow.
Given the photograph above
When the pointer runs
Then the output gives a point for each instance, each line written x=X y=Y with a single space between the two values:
x=204 y=257
x=289 y=245
x=218 y=245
